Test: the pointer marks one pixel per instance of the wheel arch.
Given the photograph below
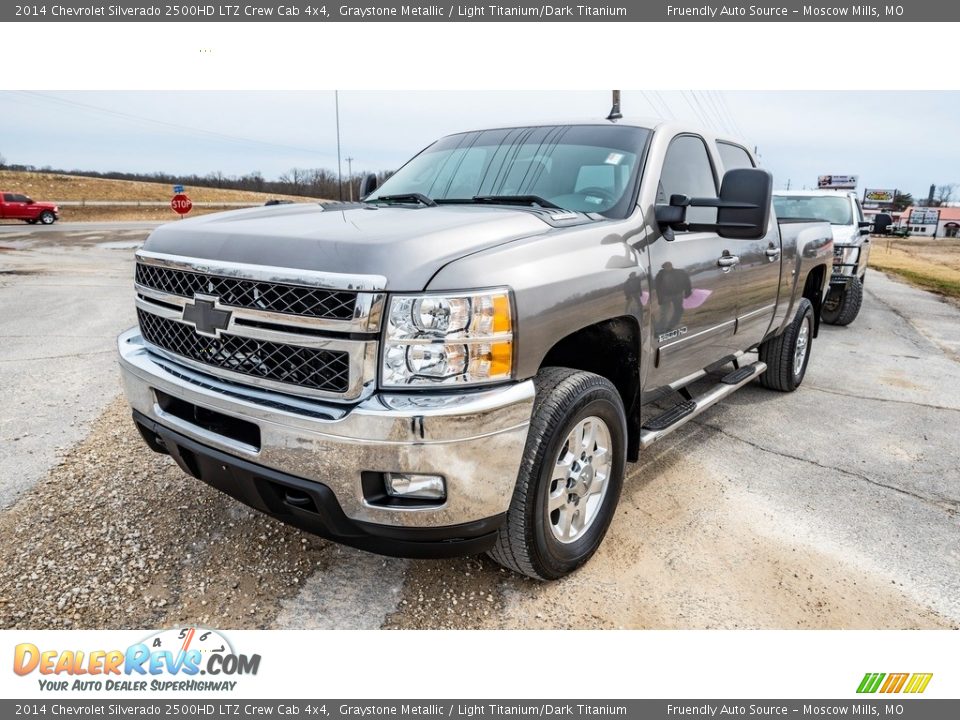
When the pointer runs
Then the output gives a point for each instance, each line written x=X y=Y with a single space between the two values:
x=813 y=289
x=611 y=349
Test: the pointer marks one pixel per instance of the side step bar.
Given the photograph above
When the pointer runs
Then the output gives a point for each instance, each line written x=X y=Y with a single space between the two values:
x=679 y=415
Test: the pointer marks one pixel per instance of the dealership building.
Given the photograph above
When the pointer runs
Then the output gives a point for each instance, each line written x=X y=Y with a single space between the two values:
x=932 y=221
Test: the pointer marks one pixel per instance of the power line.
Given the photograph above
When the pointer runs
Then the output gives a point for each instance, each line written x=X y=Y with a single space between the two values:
x=666 y=105
x=703 y=121
x=706 y=112
x=336 y=102
x=729 y=110
x=711 y=103
x=650 y=103
x=160 y=123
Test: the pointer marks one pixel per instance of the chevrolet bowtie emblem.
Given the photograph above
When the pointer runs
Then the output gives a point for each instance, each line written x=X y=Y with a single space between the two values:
x=206 y=318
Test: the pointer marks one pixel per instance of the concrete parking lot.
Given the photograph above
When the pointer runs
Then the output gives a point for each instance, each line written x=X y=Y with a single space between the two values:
x=837 y=506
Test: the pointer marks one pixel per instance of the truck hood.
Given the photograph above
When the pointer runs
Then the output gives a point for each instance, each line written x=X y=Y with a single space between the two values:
x=407 y=245
x=846 y=235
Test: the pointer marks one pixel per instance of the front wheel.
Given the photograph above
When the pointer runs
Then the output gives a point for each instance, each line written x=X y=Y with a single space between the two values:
x=788 y=353
x=843 y=303
x=570 y=478
x=47 y=217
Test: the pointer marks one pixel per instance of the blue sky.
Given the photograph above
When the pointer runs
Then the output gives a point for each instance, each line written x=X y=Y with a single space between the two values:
x=904 y=140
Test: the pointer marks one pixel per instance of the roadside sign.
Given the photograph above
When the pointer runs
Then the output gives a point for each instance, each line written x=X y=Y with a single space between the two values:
x=178 y=189
x=876 y=195
x=837 y=182
x=181 y=204
x=924 y=216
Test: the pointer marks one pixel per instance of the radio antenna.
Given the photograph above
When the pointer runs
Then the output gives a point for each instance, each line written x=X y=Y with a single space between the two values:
x=615 y=110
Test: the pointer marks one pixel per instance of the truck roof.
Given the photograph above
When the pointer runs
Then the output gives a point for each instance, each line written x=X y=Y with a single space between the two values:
x=648 y=123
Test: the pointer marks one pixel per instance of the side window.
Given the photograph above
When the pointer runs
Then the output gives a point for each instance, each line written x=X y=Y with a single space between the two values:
x=859 y=211
x=19 y=198
x=734 y=157
x=687 y=171
x=8 y=197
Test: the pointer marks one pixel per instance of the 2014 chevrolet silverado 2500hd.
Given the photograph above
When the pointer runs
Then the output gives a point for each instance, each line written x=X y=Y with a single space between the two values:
x=14 y=206
x=461 y=362
x=851 y=244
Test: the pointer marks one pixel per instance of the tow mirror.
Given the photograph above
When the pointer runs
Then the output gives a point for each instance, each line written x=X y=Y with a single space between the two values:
x=866 y=227
x=743 y=208
x=368 y=185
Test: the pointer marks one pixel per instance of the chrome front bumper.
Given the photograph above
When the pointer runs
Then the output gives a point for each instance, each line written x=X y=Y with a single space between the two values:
x=475 y=440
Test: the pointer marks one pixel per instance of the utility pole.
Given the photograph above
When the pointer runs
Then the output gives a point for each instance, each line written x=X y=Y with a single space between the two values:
x=788 y=183
x=336 y=101
x=350 y=176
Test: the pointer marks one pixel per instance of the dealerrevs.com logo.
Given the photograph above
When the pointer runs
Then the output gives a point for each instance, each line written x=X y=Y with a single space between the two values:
x=169 y=660
x=894 y=682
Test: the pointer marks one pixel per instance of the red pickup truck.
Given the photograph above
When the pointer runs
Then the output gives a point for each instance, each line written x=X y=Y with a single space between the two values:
x=14 y=206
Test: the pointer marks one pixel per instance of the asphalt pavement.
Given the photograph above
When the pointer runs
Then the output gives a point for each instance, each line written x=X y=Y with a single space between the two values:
x=837 y=506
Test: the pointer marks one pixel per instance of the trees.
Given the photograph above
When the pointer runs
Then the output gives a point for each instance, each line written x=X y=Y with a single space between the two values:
x=944 y=193
x=901 y=201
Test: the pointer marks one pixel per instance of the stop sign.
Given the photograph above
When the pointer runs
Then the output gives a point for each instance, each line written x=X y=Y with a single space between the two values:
x=181 y=204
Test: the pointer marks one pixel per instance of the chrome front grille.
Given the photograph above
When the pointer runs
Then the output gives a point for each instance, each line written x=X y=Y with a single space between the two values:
x=312 y=368
x=256 y=295
x=300 y=332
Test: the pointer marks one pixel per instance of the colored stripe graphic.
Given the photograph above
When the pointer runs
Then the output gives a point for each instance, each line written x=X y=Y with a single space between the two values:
x=918 y=683
x=894 y=682
x=870 y=682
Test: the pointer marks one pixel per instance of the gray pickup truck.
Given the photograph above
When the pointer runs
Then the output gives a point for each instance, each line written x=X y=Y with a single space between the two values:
x=466 y=360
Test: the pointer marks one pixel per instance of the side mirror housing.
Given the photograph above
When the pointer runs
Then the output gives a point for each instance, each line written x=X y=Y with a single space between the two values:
x=746 y=195
x=368 y=185
x=743 y=208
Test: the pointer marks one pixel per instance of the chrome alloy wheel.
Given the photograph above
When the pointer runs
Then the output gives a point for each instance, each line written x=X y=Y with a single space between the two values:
x=579 y=482
x=802 y=347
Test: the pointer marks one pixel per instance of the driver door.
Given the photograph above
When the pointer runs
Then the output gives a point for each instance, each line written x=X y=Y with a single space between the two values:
x=693 y=289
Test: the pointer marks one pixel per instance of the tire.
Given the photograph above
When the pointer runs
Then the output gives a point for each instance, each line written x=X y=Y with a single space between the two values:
x=784 y=372
x=531 y=540
x=847 y=306
x=47 y=217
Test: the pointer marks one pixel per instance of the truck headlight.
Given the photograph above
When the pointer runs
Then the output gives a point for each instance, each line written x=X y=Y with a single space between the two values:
x=448 y=339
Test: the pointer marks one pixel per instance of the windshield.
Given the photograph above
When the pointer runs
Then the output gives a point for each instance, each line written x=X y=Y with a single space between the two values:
x=834 y=210
x=584 y=168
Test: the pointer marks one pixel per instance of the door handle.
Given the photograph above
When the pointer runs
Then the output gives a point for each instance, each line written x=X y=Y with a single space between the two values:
x=728 y=261
x=773 y=253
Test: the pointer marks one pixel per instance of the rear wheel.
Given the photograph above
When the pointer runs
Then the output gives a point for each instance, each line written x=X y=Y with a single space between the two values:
x=47 y=217
x=788 y=353
x=843 y=304
x=570 y=479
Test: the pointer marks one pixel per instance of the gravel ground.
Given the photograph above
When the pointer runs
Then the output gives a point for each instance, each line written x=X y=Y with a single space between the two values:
x=119 y=537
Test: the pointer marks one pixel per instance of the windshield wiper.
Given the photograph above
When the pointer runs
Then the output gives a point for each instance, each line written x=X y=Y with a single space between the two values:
x=406 y=198
x=516 y=200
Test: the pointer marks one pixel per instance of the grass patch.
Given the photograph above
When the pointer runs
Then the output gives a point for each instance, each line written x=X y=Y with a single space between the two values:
x=950 y=288
x=932 y=264
x=53 y=187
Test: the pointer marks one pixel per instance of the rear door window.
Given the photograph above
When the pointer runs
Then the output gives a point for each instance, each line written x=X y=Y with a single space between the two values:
x=687 y=170
x=734 y=157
